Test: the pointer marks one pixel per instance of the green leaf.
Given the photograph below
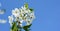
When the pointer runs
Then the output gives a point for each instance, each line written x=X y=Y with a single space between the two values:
x=26 y=5
x=31 y=9
x=26 y=28
x=14 y=27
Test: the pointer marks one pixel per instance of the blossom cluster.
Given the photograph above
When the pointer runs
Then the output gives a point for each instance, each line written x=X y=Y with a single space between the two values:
x=20 y=15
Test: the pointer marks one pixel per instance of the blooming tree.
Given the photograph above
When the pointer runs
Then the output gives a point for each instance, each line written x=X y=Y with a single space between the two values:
x=20 y=16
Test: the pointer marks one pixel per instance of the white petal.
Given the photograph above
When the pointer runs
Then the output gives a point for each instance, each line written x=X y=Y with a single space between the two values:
x=16 y=9
x=16 y=12
x=21 y=25
x=10 y=19
x=21 y=21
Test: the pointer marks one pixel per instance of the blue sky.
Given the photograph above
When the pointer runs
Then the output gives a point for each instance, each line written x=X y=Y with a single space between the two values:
x=47 y=14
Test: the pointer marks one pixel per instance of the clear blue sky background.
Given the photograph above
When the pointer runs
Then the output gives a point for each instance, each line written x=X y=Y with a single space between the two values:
x=47 y=14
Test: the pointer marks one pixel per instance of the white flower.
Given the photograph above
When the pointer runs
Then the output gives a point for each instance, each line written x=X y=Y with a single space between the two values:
x=23 y=7
x=28 y=22
x=15 y=12
x=29 y=18
x=32 y=15
x=10 y=19
x=27 y=11
x=21 y=23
